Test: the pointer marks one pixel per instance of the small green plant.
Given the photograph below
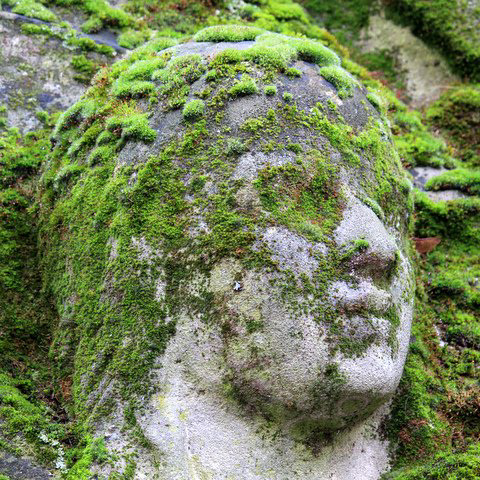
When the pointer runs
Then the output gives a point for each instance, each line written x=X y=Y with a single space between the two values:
x=376 y=101
x=359 y=245
x=270 y=90
x=235 y=147
x=133 y=38
x=341 y=79
x=134 y=126
x=332 y=105
x=466 y=180
x=31 y=8
x=294 y=147
x=245 y=86
x=288 y=97
x=84 y=68
x=228 y=33
x=194 y=110
x=293 y=72
x=211 y=75
x=104 y=15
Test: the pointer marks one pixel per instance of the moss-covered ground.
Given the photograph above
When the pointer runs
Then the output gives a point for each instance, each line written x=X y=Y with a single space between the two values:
x=34 y=422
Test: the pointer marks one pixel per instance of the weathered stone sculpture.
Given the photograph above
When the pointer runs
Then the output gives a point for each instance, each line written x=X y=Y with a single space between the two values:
x=226 y=243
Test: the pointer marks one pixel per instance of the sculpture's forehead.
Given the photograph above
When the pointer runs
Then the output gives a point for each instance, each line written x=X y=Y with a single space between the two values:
x=206 y=49
x=308 y=89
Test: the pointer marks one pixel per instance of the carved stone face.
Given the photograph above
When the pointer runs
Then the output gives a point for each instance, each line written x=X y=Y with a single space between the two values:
x=311 y=341
x=260 y=236
x=311 y=320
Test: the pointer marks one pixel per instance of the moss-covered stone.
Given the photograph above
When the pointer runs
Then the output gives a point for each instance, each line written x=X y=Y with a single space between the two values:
x=451 y=26
x=135 y=248
x=457 y=115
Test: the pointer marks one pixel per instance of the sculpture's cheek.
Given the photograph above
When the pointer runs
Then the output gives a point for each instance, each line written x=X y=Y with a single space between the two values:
x=290 y=365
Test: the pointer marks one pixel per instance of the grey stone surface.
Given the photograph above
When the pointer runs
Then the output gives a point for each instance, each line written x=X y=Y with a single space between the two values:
x=421 y=175
x=446 y=195
x=35 y=73
x=425 y=71
x=22 y=468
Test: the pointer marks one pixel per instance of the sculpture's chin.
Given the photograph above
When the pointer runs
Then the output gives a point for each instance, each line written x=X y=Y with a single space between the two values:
x=339 y=397
x=325 y=413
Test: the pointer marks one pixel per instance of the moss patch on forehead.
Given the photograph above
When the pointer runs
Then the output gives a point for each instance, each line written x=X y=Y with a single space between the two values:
x=228 y=33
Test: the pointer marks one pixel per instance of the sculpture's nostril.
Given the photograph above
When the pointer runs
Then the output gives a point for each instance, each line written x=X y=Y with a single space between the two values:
x=375 y=265
x=372 y=261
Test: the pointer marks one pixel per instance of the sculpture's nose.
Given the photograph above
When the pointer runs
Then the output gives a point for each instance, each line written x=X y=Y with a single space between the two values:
x=366 y=244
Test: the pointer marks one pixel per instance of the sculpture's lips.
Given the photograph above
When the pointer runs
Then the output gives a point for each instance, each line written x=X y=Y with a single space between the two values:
x=366 y=299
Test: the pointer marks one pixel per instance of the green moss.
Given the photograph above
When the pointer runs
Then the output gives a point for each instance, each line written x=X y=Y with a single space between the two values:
x=315 y=212
x=133 y=89
x=432 y=413
x=456 y=115
x=235 y=147
x=359 y=245
x=93 y=451
x=151 y=48
x=245 y=86
x=294 y=147
x=449 y=26
x=293 y=72
x=194 y=110
x=277 y=51
x=462 y=179
x=176 y=78
x=133 y=127
x=341 y=79
x=33 y=29
x=345 y=19
x=133 y=38
x=74 y=115
x=26 y=318
x=18 y=414
x=84 y=68
x=211 y=75
x=376 y=101
x=65 y=174
x=228 y=33
x=31 y=8
x=84 y=211
x=445 y=219
x=89 y=45
x=104 y=15
x=421 y=148
x=455 y=466
x=135 y=81
x=285 y=10
x=385 y=65
x=270 y=90
x=101 y=154
x=287 y=97
x=92 y=25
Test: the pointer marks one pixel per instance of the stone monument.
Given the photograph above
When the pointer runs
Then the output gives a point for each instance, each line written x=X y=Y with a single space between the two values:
x=226 y=241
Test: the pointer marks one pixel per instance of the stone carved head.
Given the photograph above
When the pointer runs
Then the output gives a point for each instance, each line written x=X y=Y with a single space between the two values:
x=268 y=212
x=312 y=312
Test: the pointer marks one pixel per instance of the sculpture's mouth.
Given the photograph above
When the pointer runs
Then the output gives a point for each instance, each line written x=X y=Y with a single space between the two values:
x=366 y=313
x=365 y=299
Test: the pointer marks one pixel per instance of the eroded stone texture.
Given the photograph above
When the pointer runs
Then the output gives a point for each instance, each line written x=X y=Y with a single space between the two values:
x=35 y=73
x=426 y=73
